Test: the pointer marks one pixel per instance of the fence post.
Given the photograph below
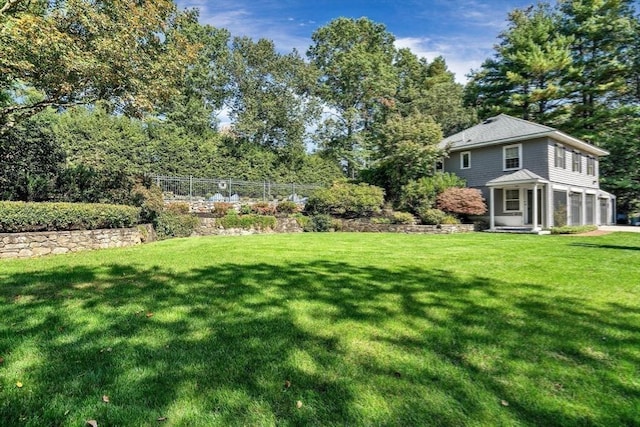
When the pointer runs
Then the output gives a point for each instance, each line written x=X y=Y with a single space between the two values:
x=264 y=191
x=229 y=189
x=190 y=188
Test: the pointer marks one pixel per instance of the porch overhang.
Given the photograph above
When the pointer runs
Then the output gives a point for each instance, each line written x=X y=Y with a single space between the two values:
x=519 y=178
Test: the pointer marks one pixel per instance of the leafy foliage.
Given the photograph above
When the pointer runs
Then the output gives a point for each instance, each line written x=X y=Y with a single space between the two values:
x=346 y=200
x=432 y=216
x=247 y=222
x=132 y=54
x=29 y=216
x=461 y=201
x=169 y=224
x=421 y=194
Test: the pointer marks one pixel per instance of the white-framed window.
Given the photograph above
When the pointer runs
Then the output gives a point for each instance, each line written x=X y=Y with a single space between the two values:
x=591 y=166
x=512 y=155
x=439 y=166
x=576 y=162
x=465 y=160
x=560 y=159
x=511 y=200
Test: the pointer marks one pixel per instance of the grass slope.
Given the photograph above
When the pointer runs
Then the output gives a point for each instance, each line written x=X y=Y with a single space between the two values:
x=360 y=329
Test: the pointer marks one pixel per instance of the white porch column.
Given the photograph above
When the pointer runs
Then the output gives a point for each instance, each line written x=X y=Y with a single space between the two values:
x=583 y=220
x=492 y=218
x=569 y=214
x=534 y=212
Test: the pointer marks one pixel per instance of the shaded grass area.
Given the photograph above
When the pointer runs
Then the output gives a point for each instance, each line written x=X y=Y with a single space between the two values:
x=361 y=329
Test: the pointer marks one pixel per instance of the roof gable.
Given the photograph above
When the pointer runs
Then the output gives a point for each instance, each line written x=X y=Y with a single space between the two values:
x=503 y=129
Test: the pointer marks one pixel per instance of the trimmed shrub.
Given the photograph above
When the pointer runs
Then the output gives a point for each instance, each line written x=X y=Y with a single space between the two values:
x=321 y=223
x=287 y=207
x=573 y=229
x=220 y=209
x=245 y=209
x=178 y=208
x=346 y=200
x=149 y=199
x=263 y=208
x=461 y=201
x=18 y=217
x=380 y=220
x=422 y=193
x=435 y=217
x=171 y=224
x=302 y=220
x=247 y=222
x=402 y=218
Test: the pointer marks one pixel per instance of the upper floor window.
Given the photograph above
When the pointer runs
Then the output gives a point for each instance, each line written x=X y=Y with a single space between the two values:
x=465 y=160
x=591 y=166
x=577 y=162
x=560 y=159
x=512 y=155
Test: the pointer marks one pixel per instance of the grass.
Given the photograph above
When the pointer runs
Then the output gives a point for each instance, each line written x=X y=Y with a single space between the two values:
x=360 y=329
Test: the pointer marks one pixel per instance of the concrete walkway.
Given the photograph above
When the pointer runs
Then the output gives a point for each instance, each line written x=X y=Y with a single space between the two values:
x=623 y=228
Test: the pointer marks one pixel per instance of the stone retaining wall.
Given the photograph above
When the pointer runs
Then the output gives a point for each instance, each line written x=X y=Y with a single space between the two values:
x=368 y=227
x=29 y=245
x=208 y=227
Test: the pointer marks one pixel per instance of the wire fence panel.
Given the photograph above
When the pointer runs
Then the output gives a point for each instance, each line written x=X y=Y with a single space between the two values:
x=230 y=190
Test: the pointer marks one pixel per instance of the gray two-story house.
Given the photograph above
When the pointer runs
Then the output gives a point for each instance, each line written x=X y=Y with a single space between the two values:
x=532 y=176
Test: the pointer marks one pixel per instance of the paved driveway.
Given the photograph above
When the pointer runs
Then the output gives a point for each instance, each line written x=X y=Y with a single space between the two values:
x=625 y=228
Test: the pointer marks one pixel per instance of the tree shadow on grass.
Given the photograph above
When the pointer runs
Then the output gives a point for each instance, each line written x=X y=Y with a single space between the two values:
x=241 y=344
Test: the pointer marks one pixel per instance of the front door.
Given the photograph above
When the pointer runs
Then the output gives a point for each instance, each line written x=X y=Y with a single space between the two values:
x=529 y=212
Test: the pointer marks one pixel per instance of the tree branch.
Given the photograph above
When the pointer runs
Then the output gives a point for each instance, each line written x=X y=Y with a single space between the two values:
x=8 y=5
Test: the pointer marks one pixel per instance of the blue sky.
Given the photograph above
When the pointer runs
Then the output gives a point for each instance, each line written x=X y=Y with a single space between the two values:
x=463 y=31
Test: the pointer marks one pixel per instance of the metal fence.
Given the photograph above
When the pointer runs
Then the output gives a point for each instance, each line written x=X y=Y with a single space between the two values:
x=230 y=190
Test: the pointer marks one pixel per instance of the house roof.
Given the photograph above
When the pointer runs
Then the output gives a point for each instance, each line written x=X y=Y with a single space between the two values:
x=503 y=129
x=522 y=176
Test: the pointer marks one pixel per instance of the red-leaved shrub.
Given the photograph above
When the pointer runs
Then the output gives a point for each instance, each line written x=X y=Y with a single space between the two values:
x=461 y=201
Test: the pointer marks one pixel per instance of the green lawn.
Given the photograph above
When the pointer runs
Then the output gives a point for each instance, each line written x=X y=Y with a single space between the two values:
x=360 y=329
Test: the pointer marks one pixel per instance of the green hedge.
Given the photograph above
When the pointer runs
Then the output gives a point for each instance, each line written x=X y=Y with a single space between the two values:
x=171 y=224
x=346 y=200
x=247 y=222
x=18 y=217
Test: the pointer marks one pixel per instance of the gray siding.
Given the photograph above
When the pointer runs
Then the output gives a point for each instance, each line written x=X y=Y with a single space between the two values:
x=487 y=162
x=566 y=175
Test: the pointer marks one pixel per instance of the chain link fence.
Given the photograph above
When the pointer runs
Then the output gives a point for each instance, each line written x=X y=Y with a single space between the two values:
x=180 y=188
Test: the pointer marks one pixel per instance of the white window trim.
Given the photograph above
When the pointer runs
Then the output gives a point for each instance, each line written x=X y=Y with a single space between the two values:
x=579 y=155
x=564 y=155
x=504 y=159
x=462 y=160
x=504 y=200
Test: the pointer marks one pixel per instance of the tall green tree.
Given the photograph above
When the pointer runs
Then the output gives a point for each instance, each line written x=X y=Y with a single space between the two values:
x=355 y=59
x=430 y=89
x=269 y=97
x=406 y=148
x=525 y=77
x=603 y=53
x=131 y=53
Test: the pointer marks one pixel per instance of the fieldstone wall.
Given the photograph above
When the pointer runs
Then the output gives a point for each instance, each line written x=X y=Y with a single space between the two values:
x=368 y=227
x=208 y=227
x=29 y=245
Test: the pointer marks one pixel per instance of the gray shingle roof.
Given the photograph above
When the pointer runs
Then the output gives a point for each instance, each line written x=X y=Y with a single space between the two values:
x=522 y=175
x=496 y=129
x=503 y=128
